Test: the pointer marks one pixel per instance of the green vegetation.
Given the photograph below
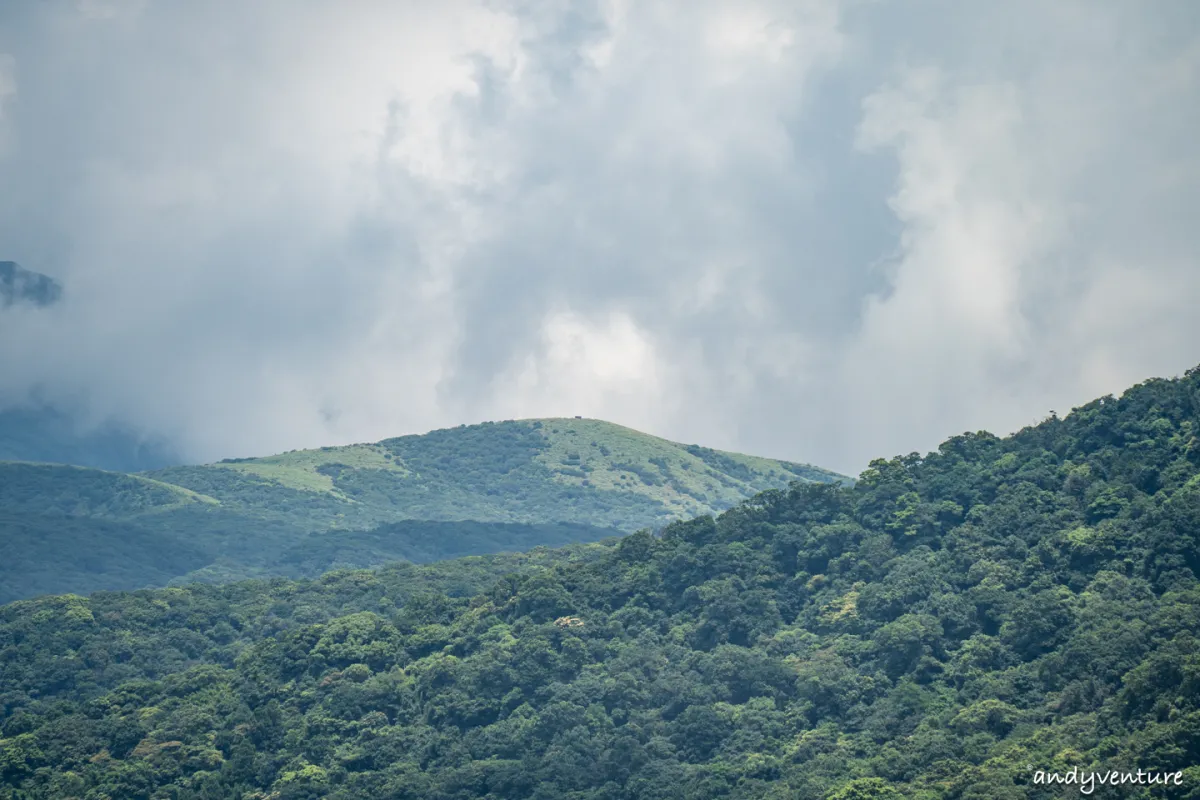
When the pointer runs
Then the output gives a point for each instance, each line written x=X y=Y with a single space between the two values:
x=941 y=629
x=57 y=552
x=533 y=471
x=79 y=491
x=423 y=542
x=298 y=514
x=44 y=555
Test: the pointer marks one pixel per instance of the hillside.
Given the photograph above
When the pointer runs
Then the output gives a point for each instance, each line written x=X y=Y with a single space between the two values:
x=41 y=555
x=80 y=491
x=552 y=470
x=947 y=627
x=73 y=529
x=469 y=490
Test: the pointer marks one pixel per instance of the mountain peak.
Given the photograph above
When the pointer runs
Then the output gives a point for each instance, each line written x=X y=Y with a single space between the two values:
x=531 y=470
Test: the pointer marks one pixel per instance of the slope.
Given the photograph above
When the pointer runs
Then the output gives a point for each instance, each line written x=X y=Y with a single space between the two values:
x=553 y=470
x=948 y=627
x=504 y=486
x=74 y=529
x=81 y=491
x=54 y=554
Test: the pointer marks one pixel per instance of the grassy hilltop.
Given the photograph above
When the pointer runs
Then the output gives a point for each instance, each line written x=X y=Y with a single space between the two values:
x=543 y=470
x=469 y=490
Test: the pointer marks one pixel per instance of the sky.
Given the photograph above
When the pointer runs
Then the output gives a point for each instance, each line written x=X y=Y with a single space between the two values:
x=819 y=230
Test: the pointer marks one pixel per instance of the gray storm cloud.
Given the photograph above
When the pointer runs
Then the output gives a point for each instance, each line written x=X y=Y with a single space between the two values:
x=825 y=231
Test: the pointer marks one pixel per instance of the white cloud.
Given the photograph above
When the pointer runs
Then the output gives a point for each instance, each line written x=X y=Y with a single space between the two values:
x=8 y=78
x=606 y=367
x=8 y=91
x=94 y=10
x=283 y=225
x=1013 y=289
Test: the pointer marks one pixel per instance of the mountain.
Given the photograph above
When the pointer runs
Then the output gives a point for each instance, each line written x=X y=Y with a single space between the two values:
x=73 y=529
x=468 y=490
x=542 y=470
x=956 y=626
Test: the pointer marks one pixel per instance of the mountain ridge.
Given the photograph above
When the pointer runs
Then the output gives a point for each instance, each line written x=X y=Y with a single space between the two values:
x=484 y=471
x=478 y=489
x=949 y=627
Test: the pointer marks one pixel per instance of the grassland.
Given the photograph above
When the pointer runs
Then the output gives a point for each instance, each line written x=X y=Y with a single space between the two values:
x=686 y=479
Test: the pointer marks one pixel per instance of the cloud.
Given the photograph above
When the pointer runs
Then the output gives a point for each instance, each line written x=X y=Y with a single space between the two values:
x=1038 y=263
x=8 y=91
x=110 y=9
x=8 y=79
x=591 y=367
x=824 y=230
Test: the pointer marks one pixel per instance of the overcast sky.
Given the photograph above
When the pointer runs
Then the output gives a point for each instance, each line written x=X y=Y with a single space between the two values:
x=821 y=230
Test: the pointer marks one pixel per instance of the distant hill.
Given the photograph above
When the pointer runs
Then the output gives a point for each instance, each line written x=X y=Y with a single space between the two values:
x=42 y=554
x=55 y=554
x=471 y=490
x=542 y=470
x=74 y=529
x=970 y=624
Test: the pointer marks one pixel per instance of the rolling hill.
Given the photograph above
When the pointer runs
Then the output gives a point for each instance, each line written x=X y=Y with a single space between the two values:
x=41 y=554
x=468 y=490
x=953 y=626
x=545 y=470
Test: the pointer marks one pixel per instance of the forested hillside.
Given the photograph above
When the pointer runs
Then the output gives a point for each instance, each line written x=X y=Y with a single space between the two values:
x=47 y=555
x=942 y=629
x=463 y=491
x=542 y=470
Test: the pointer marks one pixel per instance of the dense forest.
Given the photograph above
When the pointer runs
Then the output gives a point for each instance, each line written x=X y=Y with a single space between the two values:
x=45 y=554
x=945 y=628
